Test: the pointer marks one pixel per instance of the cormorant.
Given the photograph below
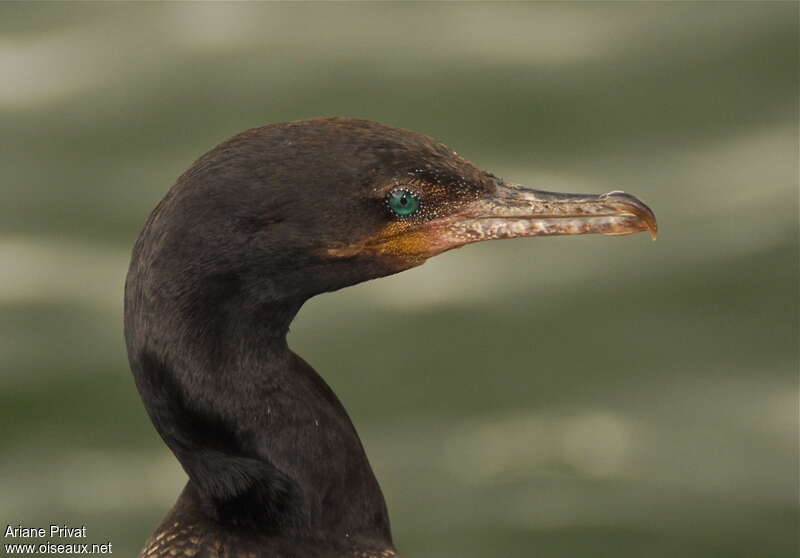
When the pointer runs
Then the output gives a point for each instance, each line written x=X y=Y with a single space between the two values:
x=253 y=229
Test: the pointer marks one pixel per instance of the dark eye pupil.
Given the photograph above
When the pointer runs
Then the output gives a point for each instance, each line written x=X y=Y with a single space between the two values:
x=402 y=203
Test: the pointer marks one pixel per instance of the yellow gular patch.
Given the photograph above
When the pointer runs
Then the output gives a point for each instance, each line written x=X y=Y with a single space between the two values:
x=406 y=242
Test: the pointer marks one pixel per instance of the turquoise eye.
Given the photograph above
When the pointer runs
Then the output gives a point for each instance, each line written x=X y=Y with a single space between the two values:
x=402 y=202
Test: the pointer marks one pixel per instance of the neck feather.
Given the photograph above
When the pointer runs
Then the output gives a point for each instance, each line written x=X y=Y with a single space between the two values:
x=265 y=442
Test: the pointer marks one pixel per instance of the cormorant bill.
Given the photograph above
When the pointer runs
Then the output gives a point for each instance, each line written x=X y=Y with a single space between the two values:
x=252 y=230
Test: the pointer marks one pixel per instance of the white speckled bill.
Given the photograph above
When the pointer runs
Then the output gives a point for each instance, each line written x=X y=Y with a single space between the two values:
x=519 y=212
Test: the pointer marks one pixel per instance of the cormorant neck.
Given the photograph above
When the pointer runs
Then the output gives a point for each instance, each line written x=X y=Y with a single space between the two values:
x=265 y=442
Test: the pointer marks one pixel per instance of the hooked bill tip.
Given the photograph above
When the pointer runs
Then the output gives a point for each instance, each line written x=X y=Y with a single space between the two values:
x=636 y=207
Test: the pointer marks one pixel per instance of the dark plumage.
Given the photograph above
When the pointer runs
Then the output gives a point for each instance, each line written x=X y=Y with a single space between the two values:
x=252 y=230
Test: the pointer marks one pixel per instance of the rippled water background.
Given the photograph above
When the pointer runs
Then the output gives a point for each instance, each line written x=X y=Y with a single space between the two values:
x=548 y=397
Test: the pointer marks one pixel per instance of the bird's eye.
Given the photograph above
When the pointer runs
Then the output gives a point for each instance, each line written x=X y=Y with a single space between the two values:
x=402 y=203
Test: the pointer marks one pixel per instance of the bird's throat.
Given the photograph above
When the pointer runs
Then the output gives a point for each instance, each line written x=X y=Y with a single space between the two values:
x=265 y=442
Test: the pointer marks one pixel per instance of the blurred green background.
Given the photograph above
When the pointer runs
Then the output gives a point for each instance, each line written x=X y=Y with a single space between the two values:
x=563 y=397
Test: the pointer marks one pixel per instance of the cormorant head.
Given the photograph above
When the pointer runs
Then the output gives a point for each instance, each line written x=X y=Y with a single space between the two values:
x=299 y=208
x=258 y=225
